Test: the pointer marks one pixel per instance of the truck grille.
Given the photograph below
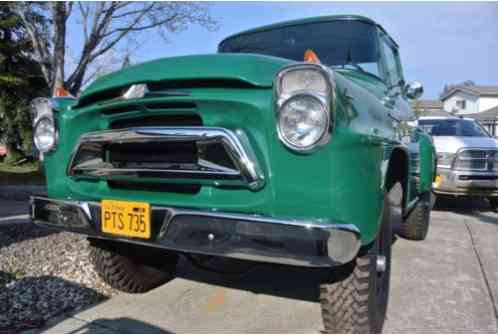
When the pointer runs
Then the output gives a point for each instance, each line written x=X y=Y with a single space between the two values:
x=163 y=88
x=154 y=187
x=144 y=106
x=476 y=159
x=158 y=121
x=201 y=155
x=150 y=154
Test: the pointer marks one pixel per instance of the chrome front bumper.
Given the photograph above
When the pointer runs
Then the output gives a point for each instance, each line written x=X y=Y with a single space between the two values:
x=314 y=243
x=466 y=183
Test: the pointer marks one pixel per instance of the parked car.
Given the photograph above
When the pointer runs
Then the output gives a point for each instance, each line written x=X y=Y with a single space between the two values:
x=251 y=154
x=467 y=157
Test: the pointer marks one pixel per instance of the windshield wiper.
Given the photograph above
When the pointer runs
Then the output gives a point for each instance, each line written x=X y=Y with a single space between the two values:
x=349 y=61
x=360 y=69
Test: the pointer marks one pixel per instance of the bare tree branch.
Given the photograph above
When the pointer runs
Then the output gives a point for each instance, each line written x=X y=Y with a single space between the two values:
x=39 y=42
x=84 y=12
x=105 y=25
x=69 y=9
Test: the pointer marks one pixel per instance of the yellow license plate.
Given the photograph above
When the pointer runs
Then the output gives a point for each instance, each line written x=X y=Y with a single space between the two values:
x=125 y=218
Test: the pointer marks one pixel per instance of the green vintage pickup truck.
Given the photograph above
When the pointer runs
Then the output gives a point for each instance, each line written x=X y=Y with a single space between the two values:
x=289 y=146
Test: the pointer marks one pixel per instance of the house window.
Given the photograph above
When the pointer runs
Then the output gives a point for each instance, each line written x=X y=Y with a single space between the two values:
x=461 y=104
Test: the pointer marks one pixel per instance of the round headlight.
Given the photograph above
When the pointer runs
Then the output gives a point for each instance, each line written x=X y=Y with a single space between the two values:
x=45 y=135
x=302 y=122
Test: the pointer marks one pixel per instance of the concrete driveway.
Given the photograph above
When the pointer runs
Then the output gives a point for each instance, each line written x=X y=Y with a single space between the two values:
x=448 y=283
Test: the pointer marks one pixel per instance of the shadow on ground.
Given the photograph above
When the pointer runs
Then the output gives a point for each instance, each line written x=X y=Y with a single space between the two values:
x=280 y=281
x=126 y=325
x=477 y=208
x=29 y=303
x=461 y=204
x=18 y=232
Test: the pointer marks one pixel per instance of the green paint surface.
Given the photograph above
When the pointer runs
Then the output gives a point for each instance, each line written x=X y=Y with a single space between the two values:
x=342 y=182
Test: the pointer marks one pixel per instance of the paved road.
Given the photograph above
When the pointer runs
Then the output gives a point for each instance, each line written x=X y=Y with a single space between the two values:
x=448 y=283
x=12 y=210
x=13 y=202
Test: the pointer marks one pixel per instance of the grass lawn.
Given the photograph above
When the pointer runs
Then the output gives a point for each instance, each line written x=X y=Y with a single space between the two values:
x=28 y=173
x=23 y=168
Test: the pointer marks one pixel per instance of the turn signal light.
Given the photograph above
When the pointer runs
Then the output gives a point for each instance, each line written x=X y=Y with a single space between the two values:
x=61 y=92
x=311 y=57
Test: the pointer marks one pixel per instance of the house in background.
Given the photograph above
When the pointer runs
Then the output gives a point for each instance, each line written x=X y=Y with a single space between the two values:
x=467 y=99
x=428 y=108
x=474 y=101
x=488 y=119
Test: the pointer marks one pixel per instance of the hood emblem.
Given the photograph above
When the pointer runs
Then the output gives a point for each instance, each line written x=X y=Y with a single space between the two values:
x=136 y=91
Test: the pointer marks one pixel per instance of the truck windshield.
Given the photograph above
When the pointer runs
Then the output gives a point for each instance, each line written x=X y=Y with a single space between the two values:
x=456 y=127
x=341 y=43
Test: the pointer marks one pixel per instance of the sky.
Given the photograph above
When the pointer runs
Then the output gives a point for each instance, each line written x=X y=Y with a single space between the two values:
x=440 y=42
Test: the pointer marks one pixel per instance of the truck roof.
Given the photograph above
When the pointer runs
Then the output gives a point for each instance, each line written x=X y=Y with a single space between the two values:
x=315 y=19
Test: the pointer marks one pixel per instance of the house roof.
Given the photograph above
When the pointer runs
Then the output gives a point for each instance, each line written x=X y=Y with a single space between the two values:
x=427 y=104
x=432 y=113
x=487 y=115
x=474 y=89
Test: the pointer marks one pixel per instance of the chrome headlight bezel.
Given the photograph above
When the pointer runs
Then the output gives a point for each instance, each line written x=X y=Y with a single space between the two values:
x=324 y=93
x=325 y=74
x=42 y=110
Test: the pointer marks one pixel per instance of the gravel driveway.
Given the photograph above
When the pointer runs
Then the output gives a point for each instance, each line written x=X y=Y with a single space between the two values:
x=43 y=273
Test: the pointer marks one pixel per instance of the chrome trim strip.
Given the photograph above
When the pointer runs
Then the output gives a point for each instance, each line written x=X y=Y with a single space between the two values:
x=332 y=243
x=235 y=144
x=486 y=159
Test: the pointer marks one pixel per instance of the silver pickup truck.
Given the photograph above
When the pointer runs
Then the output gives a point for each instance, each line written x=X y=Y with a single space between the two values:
x=467 y=157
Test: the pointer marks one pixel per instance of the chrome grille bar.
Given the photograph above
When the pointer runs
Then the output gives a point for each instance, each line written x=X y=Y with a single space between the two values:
x=89 y=161
x=476 y=159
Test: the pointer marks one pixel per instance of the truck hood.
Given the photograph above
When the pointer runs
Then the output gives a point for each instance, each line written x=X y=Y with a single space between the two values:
x=452 y=144
x=256 y=70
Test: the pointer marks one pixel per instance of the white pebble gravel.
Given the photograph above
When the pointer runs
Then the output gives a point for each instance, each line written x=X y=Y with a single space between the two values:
x=44 y=273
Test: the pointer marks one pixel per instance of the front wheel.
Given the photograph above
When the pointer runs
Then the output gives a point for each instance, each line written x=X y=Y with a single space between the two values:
x=131 y=268
x=416 y=225
x=356 y=299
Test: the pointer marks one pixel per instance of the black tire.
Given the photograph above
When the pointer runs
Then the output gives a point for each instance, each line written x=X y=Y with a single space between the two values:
x=119 y=265
x=416 y=225
x=356 y=299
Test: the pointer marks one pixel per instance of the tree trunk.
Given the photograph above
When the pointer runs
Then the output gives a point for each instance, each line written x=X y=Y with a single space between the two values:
x=59 y=16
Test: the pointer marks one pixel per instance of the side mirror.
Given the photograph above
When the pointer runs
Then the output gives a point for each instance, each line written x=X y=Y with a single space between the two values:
x=414 y=90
